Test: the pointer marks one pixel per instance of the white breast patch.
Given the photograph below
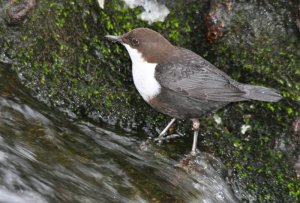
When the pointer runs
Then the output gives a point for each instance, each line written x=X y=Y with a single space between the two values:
x=143 y=75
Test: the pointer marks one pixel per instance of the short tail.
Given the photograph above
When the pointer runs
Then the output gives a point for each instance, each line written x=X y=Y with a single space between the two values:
x=261 y=93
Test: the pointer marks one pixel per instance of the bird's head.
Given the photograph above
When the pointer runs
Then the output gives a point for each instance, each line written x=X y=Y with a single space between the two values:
x=150 y=45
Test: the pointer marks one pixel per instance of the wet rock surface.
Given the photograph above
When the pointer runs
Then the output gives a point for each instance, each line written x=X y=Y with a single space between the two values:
x=218 y=18
x=297 y=19
x=18 y=11
x=296 y=127
x=74 y=69
x=297 y=167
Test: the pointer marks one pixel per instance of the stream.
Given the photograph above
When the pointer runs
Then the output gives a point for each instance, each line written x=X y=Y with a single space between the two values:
x=46 y=156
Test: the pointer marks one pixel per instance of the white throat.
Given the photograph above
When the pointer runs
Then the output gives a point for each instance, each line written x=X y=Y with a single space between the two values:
x=143 y=75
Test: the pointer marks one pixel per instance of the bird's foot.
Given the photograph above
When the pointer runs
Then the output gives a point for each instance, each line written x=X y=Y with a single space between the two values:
x=161 y=139
x=194 y=152
x=162 y=134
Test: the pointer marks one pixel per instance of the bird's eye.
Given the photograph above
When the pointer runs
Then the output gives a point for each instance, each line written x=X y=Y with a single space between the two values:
x=134 y=42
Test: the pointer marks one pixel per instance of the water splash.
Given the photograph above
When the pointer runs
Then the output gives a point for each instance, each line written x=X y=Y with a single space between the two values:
x=101 y=3
x=153 y=11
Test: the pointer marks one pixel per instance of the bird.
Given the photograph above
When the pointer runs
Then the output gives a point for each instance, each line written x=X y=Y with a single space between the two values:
x=180 y=83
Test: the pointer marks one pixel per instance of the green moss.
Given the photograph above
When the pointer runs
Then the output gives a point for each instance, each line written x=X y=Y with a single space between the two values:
x=77 y=65
x=263 y=156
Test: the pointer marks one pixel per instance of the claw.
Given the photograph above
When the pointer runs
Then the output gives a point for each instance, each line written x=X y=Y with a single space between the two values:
x=168 y=137
x=161 y=135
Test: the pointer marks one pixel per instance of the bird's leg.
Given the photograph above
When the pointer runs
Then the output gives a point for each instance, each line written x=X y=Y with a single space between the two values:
x=160 y=137
x=196 y=126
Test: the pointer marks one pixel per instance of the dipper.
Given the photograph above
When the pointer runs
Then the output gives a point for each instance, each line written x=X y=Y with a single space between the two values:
x=177 y=82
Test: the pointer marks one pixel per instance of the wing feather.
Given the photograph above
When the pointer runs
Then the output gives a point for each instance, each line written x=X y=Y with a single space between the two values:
x=197 y=78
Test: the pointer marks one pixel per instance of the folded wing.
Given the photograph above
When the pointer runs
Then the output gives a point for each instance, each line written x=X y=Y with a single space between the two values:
x=196 y=78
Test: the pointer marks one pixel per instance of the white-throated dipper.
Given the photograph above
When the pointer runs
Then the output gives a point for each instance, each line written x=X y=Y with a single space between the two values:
x=177 y=82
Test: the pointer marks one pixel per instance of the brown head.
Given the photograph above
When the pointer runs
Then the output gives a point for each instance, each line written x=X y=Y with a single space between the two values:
x=152 y=45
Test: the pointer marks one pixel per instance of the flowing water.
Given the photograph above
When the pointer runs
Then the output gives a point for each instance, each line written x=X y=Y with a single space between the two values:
x=48 y=157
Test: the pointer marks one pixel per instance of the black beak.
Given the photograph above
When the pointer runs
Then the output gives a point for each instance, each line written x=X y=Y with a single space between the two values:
x=114 y=38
